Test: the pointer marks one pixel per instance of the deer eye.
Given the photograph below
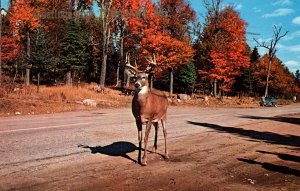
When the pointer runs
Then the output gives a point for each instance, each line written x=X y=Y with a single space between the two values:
x=143 y=77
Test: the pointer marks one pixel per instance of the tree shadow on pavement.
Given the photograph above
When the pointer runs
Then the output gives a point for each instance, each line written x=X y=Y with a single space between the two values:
x=291 y=120
x=268 y=137
x=273 y=167
x=282 y=156
x=117 y=149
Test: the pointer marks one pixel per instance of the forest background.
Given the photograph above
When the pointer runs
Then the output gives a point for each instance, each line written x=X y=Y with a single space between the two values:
x=66 y=42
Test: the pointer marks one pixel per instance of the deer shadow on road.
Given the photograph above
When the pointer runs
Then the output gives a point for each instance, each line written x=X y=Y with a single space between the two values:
x=116 y=149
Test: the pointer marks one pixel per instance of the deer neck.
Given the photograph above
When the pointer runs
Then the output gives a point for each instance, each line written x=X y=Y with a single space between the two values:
x=142 y=95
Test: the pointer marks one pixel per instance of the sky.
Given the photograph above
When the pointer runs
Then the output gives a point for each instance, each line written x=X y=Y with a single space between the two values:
x=261 y=16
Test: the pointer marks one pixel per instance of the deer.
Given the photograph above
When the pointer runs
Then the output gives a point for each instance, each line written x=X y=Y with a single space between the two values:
x=149 y=106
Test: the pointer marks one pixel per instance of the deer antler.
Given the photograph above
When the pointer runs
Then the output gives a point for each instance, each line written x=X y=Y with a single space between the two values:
x=127 y=60
x=152 y=63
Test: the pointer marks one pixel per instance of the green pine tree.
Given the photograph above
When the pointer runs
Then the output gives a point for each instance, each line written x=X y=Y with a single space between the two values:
x=186 y=76
x=41 y=58
x=73 y=48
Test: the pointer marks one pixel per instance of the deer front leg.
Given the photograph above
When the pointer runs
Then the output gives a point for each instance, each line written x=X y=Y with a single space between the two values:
x=140 y=138
x=163 y=122
x=148 y=127
x=155 y=137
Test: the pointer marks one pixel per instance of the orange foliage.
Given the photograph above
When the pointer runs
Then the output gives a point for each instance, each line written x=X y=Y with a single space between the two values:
x=9 y=48
x=147 y=27
x=280 y=79
x=22 y=15
x=229 y=54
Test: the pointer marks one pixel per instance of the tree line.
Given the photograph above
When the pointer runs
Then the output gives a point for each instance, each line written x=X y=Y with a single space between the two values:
x=48 y=42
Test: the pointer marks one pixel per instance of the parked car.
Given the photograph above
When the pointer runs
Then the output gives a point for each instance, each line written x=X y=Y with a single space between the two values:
x=268 y=101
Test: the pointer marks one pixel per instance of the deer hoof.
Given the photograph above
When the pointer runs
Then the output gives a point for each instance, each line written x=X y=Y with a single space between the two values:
x=144 y=162
x=166 y=157
x=154 y=149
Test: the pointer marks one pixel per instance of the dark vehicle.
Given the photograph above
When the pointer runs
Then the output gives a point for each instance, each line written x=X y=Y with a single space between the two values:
x=268 y=101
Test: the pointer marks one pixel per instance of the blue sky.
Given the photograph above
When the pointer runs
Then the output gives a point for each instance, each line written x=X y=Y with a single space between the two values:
x=261 y=15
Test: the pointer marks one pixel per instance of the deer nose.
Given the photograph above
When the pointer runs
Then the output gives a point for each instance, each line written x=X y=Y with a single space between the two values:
x=137 y=84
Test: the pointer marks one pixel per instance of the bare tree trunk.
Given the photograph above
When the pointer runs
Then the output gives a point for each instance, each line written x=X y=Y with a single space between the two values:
x=171 y=81
x=27 y=78
x=121 y=61
x=268 y=76
x=38 y=83
x=215 y=87
x=69 y=78
x=105 y=8
x=277 y=35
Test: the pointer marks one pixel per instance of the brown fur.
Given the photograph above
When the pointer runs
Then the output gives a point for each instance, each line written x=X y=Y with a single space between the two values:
x=149 y=107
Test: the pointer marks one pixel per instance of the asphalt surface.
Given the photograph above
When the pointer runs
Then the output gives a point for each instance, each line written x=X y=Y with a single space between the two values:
x=29 y=142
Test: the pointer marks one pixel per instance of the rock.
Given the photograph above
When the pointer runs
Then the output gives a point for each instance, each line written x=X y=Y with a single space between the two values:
x=90 y=102
x=17 y=113
x=184 y=97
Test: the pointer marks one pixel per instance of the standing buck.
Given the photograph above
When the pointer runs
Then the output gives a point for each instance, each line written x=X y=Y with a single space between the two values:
x=148 y=106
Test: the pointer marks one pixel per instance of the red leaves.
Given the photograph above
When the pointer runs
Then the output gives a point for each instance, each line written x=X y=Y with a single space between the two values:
x=22 y=15
x=229 y=54
x=9 y=48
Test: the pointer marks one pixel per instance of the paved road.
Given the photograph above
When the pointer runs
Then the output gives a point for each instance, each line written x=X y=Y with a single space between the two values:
x=28 y=142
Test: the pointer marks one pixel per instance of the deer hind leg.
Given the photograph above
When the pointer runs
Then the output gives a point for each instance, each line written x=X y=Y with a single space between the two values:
x=148 y=127
x=163 y=123
x=140 y=138
x=155 y=136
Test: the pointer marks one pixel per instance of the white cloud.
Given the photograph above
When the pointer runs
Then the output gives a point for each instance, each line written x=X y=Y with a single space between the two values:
x=256 y=10
x=293 y=48
x=262 y=51
x=292 y=63
x=283 y=2
x=292 y=36
x=238 y=7
x=279 y=13
x=296 y=21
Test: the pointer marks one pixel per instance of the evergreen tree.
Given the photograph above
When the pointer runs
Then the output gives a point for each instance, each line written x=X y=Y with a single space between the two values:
x=73 y=48
x=41 y=59
x=297 y=78
x=254 y=57
x=186 y=76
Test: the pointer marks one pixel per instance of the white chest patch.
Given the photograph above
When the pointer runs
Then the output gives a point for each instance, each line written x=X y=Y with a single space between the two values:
x=144 y=90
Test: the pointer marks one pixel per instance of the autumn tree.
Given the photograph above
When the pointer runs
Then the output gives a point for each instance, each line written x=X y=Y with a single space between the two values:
x=106 y=19
x=223 y=46
x=281 y=81
x=271 y=47
x=125 y=33
x=177 y=16
x=205 y=43
x=23 y=21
